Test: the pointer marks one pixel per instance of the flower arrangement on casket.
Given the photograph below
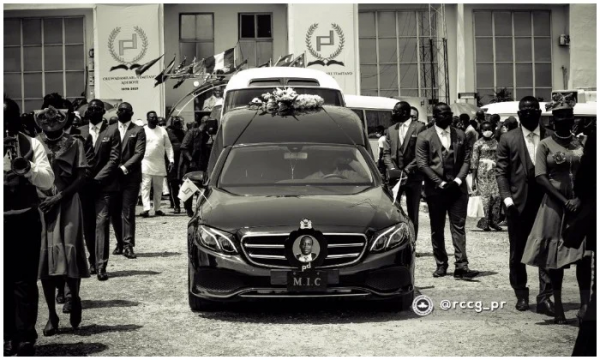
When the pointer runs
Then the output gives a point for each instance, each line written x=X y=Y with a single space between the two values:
x=286 y=100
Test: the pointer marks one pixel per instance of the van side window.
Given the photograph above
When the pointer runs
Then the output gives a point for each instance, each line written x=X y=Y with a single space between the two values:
x=376 y=118
x=359 y=113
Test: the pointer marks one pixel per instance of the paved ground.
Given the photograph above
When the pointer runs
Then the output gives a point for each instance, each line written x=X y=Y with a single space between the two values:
x=142 y=310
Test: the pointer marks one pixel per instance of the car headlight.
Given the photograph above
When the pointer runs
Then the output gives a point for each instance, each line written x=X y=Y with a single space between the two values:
x=216 y=240
x=391 y=238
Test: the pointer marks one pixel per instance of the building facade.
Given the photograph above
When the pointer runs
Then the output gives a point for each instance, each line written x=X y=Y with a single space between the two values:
x=438 y=52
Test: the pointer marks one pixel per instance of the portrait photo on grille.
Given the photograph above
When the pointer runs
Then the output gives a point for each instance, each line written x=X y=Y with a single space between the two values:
x=260 y=179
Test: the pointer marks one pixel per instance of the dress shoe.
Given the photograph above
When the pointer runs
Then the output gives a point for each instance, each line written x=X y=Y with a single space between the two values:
x=465 y=273
x=26 y=349
x=546 y=307
x=128 y=252
x=51 y=326
x=102 y=276
x=440 y=271
x=177 y=211
x=522 y=305
x=60 y=297
x=190 y=213
x=560 y=320
x=118 y=251
x=68 y=306
x=495 y=226
x=486 y=229
x=75 y=317
x=10 y=347
x=92 y=270
x=145 y=214
x=159 y=213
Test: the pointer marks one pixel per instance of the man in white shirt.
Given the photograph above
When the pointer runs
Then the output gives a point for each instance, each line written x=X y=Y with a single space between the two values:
x=27 y=175
x=213 y=100
x=515 y=173
x=153 y=164
x=443 y=156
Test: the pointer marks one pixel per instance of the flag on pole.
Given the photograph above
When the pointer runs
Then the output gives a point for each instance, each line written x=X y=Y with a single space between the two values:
x=142 y=69
x=164 y=75
x=267 y=64
x=224 y=61
x=285 y=61
x=300 y=61
x=187 y=190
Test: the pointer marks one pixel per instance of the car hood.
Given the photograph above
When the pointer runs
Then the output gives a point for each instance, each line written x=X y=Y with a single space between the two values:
x=371 y=209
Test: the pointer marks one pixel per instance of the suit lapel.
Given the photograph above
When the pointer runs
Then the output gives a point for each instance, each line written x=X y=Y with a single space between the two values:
x=126 y=137
x=409 y=132
x=394 y=139
x=99 y=139
x=435 y=141
x=453 y=140
x=523 y=154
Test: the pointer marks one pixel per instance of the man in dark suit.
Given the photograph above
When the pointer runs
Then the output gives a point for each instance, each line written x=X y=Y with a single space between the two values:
x=306 y=255
x=133 y=147
x=103 y=151
x=515 y=173
x=443 y=156
x=399 y=154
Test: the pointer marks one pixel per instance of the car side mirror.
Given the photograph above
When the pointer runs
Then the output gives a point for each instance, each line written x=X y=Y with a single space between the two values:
x=394 y=175
x=197 y=177
x=211 y=126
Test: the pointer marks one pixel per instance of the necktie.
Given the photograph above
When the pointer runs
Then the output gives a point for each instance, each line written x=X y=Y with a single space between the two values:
x=122 y=130
x=402 y=133
x=531 y=146
x=94 y=135
x=445 y=141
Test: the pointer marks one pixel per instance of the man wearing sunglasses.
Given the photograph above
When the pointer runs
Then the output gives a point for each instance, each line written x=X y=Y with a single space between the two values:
x=103 y=151
x=133 y=148
x=515 y=173
x=443 y=156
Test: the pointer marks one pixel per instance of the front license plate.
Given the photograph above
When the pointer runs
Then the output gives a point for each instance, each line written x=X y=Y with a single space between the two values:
x=305 y=281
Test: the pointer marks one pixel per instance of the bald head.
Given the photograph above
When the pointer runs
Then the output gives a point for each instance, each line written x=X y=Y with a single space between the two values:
x=401 y=111
x=125 y=112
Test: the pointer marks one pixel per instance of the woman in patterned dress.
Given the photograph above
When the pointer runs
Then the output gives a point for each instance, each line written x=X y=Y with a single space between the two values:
x=557 y=160
x=62 y=253
x=483 y=164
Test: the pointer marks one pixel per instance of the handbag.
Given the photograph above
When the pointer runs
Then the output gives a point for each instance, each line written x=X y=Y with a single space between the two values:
x=475 y=207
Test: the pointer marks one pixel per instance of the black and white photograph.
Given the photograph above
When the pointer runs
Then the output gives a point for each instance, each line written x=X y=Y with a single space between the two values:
x=272 y=179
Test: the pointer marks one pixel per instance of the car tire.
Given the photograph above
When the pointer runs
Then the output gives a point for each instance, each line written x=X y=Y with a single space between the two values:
x=400 y=303
x=196 y=303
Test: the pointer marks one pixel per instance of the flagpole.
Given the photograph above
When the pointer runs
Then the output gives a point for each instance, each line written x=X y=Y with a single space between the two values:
x=304 y=59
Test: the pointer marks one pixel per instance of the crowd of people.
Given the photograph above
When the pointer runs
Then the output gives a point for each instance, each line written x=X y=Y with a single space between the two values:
x=69 y=184
x=525 y=172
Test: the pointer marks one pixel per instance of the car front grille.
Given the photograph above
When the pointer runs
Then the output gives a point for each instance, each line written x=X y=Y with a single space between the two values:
x=267 y=250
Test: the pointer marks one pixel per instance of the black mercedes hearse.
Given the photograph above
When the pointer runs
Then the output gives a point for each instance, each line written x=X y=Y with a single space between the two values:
x=292 y=206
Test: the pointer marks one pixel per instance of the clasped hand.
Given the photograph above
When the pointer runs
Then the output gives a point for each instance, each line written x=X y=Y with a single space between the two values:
x=573 y=205
x=50 y=202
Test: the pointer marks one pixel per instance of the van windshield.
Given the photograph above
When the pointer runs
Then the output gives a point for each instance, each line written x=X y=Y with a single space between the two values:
x=295 y=165
x=243 y=97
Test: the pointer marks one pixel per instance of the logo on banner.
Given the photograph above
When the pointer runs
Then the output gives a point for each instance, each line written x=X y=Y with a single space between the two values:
x=127 y=47
x=333 y=41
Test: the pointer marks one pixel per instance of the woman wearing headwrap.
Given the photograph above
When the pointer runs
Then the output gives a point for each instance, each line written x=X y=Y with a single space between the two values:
x=62 y=253
x=557 y=159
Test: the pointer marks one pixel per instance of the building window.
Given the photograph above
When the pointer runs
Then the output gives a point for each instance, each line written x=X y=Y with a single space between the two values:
x=41 y=56
x=395 y=52
x=513 y=50
x=256 y=38
x=196 y=36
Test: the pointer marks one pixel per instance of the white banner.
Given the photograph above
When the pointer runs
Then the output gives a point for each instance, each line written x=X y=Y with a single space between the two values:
x=328 y=35
x=128 y=37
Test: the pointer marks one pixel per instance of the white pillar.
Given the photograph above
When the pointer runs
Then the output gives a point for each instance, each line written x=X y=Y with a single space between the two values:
x=461 y=77
x=582 y=49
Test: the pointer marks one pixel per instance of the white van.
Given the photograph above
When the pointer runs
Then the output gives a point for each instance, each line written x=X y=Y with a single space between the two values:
x=252 y=83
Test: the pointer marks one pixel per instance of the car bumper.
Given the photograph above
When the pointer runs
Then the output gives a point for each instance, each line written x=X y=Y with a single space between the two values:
x=220 y=277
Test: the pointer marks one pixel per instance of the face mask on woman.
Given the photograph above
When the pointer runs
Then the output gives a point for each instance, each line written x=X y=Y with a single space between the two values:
x=488 y=134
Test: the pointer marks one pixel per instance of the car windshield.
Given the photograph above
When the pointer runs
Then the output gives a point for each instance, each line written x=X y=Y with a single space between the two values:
x=295 y=165
x=243 y=97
